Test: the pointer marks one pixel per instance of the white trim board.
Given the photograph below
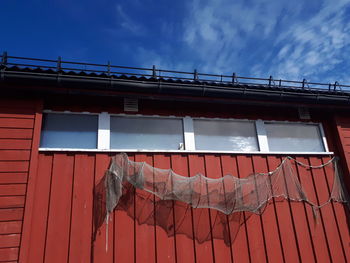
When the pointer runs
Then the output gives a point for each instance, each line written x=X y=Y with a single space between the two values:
x=180 y=151
x=104 y=131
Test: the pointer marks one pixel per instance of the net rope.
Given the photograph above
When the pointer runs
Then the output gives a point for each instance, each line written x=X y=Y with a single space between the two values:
x=172 y=201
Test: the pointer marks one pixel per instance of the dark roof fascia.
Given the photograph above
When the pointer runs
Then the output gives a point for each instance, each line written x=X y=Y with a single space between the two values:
x=54 y=81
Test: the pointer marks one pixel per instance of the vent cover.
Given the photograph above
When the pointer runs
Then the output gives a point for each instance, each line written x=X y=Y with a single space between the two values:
x=131 y=105
x=304 y=113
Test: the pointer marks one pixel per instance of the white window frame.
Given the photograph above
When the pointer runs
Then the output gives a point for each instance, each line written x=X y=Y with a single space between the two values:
x=99 y=136
x=103 y=135
x=136 y=116
x=320 y=129
x=104 y=131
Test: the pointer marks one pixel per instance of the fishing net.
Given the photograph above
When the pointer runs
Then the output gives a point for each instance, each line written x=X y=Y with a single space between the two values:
x=179 y=204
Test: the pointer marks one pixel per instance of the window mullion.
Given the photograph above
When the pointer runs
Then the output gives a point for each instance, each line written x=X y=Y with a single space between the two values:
x=188 y=133
x=323 y=136
x=262 y=136
x=103 y=141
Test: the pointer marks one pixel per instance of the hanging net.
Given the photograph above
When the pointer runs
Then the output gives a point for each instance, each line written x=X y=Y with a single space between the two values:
x=178 y=204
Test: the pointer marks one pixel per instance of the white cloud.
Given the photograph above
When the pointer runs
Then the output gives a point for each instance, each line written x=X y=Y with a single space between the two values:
x=220 y=31
x=126 y=22
x=283 y=38
x=313 y=49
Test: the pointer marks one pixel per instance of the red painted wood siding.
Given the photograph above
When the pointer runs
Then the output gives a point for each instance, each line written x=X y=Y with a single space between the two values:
x=62 y=224
x=17 y=121
x=343 y=130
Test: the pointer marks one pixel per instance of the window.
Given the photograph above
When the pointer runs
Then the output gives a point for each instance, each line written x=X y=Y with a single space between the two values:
x=154 y=133
x=294 y=137
x=69 y=131
x=146 y=133
x=225 y=135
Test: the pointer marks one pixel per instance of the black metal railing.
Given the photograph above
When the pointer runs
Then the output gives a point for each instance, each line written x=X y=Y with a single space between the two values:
x=107 y=70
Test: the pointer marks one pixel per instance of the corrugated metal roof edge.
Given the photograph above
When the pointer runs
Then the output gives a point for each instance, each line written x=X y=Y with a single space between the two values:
x=171 y=86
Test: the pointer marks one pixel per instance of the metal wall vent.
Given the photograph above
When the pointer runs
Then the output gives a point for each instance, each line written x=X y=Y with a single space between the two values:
x=131 y=105
x=304 y=113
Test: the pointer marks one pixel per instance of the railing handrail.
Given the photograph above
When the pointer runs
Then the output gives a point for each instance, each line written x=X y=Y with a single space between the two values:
x=60 y=66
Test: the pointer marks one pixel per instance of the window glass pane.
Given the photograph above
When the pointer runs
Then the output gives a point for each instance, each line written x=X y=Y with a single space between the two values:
x=288 y=137
x=69 y=131
x=225 y=135
x=146 y=133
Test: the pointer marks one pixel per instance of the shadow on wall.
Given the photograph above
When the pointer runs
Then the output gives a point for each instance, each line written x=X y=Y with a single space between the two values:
x=172 y=216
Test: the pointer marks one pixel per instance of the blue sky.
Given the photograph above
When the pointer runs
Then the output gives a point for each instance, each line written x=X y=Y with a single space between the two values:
x=283 y=38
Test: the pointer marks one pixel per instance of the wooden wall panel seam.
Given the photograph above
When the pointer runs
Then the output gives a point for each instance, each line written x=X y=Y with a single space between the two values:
x=99 y=252
x=166 y=251
x=71 y=208
x=211 y=220
x=201 y=217
x=260 y=216
x=227 y=217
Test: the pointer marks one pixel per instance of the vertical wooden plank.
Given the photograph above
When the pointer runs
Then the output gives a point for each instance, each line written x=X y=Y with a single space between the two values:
x=57 y=238
x=255 y=230
x=342 y=125
x=214 y=170
x=31 y=184
x=145 y=234
x=288 y=238
x=201 y=217
x=326 y=213
x=317 y=233
x=185 y=247
x=165 y=244
x=272 y=233
x=41 y=199
x=124 y=231
x=302 y=227
x=339 y=211
x=103 y=245
x=81 y=224
x=240 y=246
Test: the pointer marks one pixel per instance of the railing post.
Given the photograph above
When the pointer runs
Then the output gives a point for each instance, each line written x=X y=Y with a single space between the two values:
x=154 y=72
x=195 y=74
x=270 y=81
x=335 y=85
x=109 y=68
x=4 y=59
x=303 y=85
x=234 y=77
x=59 y=64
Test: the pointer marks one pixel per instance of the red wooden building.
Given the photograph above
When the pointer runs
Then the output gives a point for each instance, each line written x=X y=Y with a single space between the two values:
x=60 y=122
